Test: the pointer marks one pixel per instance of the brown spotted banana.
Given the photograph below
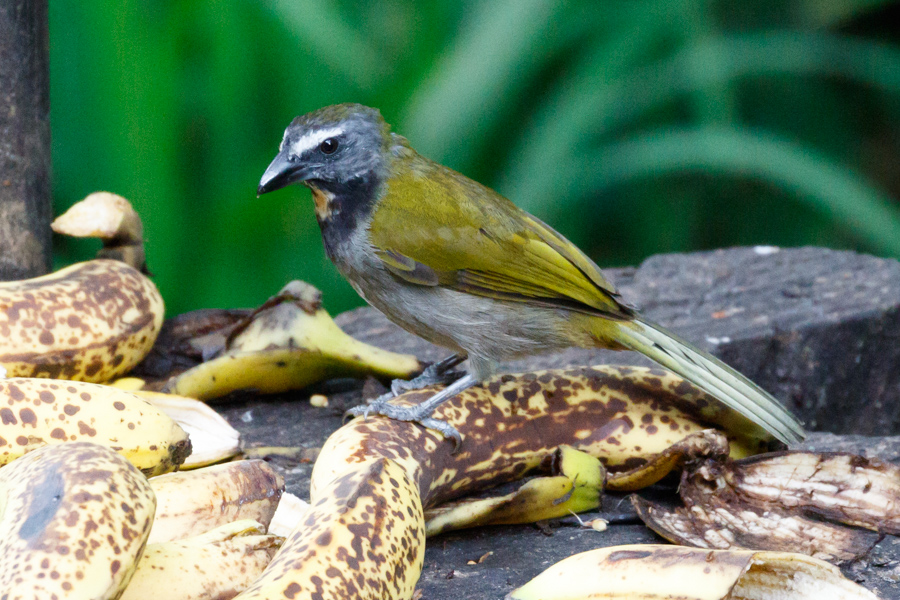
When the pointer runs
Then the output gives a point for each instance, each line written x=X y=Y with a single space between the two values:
x=364 y=533
x=652 y=572
x=190 y=503
x=287 y=344
x=39 y=412
x=215 y=565
x=91 y=321
x=74 y=522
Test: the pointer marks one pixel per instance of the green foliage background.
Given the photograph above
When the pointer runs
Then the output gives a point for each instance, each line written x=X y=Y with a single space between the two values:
x=632 y=126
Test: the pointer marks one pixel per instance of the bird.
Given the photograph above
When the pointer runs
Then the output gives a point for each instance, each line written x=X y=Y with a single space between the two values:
x=454 y=262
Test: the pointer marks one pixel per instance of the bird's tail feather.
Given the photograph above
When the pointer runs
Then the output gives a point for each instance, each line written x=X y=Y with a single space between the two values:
x=712 y=376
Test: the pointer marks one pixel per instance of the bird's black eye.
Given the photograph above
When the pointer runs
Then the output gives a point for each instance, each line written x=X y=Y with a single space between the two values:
x=329 y=146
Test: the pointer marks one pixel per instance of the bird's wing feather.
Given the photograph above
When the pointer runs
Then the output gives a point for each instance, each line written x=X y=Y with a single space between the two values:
x=427 y=232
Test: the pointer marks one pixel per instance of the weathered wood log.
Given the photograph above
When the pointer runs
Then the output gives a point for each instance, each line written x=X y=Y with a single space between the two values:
x=25 y=209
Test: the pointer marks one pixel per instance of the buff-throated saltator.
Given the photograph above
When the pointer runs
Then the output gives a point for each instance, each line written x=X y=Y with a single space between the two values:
x=452 y=261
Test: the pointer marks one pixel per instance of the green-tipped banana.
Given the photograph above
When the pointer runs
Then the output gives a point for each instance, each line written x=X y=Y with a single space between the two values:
x=92 y=321
x=216 y=565
x=652 y=572
x=39 y=412
x=192 y=502
x=288 y=344
x=74 y=522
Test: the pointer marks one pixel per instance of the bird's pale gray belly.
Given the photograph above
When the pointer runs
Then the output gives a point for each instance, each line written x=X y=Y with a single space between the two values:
x=484 y=327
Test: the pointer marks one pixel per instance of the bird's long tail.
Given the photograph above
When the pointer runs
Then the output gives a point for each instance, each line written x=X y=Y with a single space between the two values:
x=712 y=376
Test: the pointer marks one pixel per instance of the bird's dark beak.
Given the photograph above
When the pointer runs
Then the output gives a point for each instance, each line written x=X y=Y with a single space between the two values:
x=280 y=173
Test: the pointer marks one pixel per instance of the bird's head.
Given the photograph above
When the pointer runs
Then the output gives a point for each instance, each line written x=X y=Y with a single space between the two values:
x=330 y=148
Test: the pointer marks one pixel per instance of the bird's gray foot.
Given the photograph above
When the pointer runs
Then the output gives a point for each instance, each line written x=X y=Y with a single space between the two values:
x=420 y=413
x=439 y=373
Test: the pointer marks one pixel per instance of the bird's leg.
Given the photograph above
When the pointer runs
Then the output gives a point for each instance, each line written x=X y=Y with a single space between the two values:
x=421 y=413
x=436 y=373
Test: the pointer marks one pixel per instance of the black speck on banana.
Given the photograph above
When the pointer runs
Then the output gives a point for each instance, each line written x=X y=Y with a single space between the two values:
x=39 y=412
x=287 y=344
x=651 y=572
x=190 y=503
x=217 y=564
x=91 y=321
x=511 y=425
x=74 y=522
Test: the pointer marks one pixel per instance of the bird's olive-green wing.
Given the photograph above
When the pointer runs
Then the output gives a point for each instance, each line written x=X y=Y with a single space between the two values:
x=435 y=227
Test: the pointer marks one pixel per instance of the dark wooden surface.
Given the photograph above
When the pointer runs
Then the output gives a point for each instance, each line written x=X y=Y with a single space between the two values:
x=821 y=329
x=25 y=208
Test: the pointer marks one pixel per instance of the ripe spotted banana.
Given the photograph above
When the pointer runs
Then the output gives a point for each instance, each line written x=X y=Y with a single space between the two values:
x=193 y=502
x=652 y=572
x=215 y=565
x=39 y=412
x=363 y=536
x=74 y=521
x=91 y=321
x=287 y=344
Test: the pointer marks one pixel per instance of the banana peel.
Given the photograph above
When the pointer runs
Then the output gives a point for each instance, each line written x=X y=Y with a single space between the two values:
x=575 y=486
x=287 y=344
x=217 y=564
x=110 y=218
x=652 y=572
x=832 y=506
x=190 y=503
x=364 y=535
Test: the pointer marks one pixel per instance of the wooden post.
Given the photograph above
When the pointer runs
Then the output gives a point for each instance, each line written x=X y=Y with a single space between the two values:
x=25 y=208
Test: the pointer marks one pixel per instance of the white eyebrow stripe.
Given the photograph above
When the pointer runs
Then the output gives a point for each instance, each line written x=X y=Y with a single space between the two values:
x=313 y=139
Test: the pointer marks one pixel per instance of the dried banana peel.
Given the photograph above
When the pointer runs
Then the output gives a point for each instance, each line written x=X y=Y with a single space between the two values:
x=74 y=521
x=38 y=412
x=217 y=564
x=190 y=503
x=654 y=572
x=287 y=344
x=364 y=534
x=110 y=218
x=798 y=501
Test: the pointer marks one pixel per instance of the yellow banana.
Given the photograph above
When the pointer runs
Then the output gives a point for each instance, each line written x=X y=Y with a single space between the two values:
x=211 y=566
x=91 y=321
x=362 y=539
x=576 y=488
x=511 y=425
x=38 y=412
x=653 y=572
x=288 y=344
x=192 y=502
x=213 y=439
x=74 y=522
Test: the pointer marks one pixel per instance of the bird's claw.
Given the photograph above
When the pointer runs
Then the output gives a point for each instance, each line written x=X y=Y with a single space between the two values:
x=411 y=414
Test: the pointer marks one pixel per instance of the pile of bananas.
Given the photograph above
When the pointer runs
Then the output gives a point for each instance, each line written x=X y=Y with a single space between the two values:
x=90 y=507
